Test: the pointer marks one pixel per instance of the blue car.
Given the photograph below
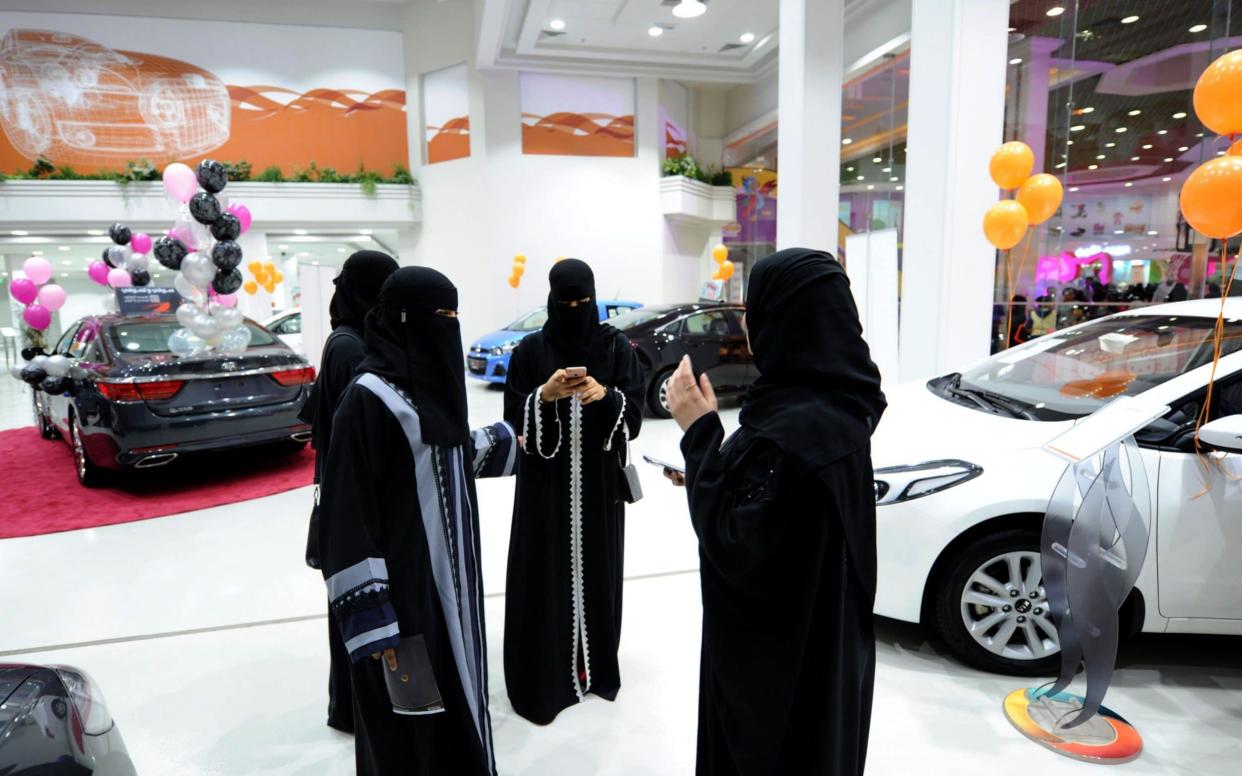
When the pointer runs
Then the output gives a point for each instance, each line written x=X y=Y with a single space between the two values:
x=489 y=355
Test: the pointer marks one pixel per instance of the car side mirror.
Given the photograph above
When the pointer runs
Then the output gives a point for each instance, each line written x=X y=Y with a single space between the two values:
x=1223 y=433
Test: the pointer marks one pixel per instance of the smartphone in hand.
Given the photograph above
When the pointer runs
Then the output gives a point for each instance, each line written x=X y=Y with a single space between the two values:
x=575 y=372
x=664 y=465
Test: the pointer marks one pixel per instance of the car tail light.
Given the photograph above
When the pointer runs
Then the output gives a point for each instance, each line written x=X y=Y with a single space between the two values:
x=153 y=391
x=300 y=376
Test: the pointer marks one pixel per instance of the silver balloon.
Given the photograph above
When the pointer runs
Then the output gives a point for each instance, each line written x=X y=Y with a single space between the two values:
x=39 y=361
x=16 y=371
x=137 y=262
x=235 y=341
x=227 y=317
x=206 y=327
x=119 y=254
x=201 y=235
x=198 y=269
x=58 y=366
x=189 y=291
x=187 y=312
x=183 y=344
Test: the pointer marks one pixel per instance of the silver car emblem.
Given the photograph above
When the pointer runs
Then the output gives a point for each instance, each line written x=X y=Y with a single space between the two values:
x=229 y=366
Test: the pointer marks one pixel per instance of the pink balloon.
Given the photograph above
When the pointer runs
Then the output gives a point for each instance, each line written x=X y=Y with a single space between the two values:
x=23 y=290
x=226 y=300
x=180 y=182
x=243 y=215
x=119 y=278
x=98 y=272
x=183 y=235
x=38 y=269
x=52 y=297
x=140 y=243
x=37 y=316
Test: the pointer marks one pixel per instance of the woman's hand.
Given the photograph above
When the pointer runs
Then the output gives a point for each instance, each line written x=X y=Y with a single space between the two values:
x=561 y=386
x=390 y=657
x=687 y=399
x=591 y=390
x=675 y=477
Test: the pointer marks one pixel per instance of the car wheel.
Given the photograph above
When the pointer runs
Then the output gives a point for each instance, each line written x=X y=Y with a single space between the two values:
x=989 y=606
x=47 y=429
x=88 y=473
x=657 y=394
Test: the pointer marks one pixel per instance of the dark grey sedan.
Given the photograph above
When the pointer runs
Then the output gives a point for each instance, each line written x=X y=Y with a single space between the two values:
x=129 y=402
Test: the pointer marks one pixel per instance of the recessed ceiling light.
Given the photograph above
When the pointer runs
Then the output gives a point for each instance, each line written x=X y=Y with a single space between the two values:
x=1198 y=28
x=1147 y=147
x=1016 y=61
x=1056 y=10
x=94 y=232
x=1134 y=112
x=1069 y=142
x=1129 y=20
x=877 y=159
x=1087 y=109
x=365 y=231
x=747 y=37
x=861 y=178
x=870 y=186
x=1168 y=159
x=1110 y=145
x=1166 y=180
x=1059 y=165
x=655 y=30
x=299 y=231
x=849 y=169
x=1101 y=156
x=847 y=140
x=1134 y=158
x=340 y=250
x=1183 y=149
x=19 y=232
x=1119 y=231
x=1162 y=132
x=1078 y=127
x=1179 y=115
x=1129 y=184
x=1152 y=233
x=1013 y=29
x=894 y=179
x=1073 y=188
x=886 y=169
x=1199 y=135
x=901 y=188
x=1220 y=153
x=1093 y=167
x=1120 y=130
x=557 y=24
x=688 y=9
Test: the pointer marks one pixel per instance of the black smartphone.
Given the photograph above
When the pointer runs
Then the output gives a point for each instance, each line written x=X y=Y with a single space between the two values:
x=664 y=464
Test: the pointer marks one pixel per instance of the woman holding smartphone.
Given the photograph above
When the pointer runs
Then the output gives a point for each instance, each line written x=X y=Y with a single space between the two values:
x=574 y=392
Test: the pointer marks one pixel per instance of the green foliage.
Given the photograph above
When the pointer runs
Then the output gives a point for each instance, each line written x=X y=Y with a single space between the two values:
x=369 y=180
x=42 y=168
x=685 y=165
x=271 y=174
x=238 y=171
x=401 y=175
x=141 y=170
x=717 y=177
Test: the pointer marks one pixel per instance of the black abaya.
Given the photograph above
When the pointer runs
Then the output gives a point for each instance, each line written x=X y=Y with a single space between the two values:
x=563 y=596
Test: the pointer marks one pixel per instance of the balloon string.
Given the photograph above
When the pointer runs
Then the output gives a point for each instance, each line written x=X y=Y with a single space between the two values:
x=1012 y=278
x=1218 y=339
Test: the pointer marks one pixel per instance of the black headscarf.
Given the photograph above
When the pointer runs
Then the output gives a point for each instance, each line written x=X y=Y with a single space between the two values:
x=358 y=286
x=573 y=331
x=818 y=395
x=417 y=350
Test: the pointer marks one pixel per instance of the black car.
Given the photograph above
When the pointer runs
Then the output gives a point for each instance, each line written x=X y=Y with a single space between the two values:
x=53 y=720
x=129 y=402
x=711 y=334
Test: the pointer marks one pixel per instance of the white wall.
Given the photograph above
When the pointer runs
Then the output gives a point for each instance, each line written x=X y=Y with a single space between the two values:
x=749 y=102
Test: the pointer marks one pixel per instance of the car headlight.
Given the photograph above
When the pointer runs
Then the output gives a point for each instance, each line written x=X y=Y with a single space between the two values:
x=895 y=484
x=503 y=349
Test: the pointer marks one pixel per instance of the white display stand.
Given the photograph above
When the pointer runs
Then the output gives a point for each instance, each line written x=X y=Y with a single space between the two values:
x=317 y=288
x=871 y=262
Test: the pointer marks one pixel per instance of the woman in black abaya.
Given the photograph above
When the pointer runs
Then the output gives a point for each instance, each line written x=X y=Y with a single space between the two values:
x=357 y=289
x=566 y=548
x=785 y=514
x=400 y=531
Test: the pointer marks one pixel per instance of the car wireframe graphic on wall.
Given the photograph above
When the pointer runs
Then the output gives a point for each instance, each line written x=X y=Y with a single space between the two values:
x=75 y=101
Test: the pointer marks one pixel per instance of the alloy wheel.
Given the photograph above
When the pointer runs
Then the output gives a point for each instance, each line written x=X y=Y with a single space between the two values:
x=664 y=392
x=1005 y=608
x=79 y=450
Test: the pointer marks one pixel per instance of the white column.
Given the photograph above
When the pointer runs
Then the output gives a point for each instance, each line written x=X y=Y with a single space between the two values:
x=809 y=134
x=956 y=115
x=1029 y=103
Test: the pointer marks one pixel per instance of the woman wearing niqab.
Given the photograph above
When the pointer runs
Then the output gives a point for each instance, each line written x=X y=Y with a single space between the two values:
x=357 y=289
x=400 y=530
x=566 y=549
x=785 y=514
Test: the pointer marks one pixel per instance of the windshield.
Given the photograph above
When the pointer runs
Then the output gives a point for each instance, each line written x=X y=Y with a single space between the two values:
x=1075 y=372
x=532 y=321
x=636 y=317
x=152 y=336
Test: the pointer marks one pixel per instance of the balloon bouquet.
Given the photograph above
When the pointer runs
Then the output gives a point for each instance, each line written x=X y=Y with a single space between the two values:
x=725 y=268
x=519 y=269
x=202 y=248
x=126 y=263
x=40 y=297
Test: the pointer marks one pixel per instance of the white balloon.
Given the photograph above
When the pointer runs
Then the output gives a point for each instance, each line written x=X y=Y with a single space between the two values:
x=109 y=303
x=228 y=317
x=188 y=290
x=39 y=361
x=203 y=240
x=183 y=343
x=205 y=327
x=187 y=312
x=198 y=269
x=16 y=371
x=235 y=341
x=119 y=254
x=58 y=366
x=137 y=262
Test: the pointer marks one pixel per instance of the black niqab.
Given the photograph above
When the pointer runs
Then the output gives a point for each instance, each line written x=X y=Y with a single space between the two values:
x=420 y=352
x=818 y=395
x=572 y=330
x=358 y=286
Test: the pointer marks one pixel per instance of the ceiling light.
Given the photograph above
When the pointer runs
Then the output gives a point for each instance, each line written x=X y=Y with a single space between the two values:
x=688 y=9
x=95 y=232
x=1129 y=184
x=1093 y=167
x=1101 y=156
x=1016 y=61
x=877 y=159
x=1119 y=130
x=1198 y=28
x=365 y=231
x=1183 y=149
x=870 y=186
x=847 y=140
x=1134 y=158
x=886 y=169
x=849 y=169
x=1056 y=10
x=1069 y=142
x=1110 y=145
x=1119 y=231
x=1134 y=112
x=861 y=178
x=64 y=274
x=1220 y=153
x=1166 y=180
x=747 y=37
x=901 y=188
x=1152 y=233
x=1013 y=29
x=655 y=30
x=1078 y=127
x=315 y=263
x=1199 y=135
x=1129 y=20
x=1162 y=132
x=1179 y=115
x=1147 y=147
x=1073 y=188
x=1088 y=109
x=299 y=231
x=894 y=179
x=557 y=24
x=340 y=250
x=1059 y=165
x=19 y=232
x=1168 y=159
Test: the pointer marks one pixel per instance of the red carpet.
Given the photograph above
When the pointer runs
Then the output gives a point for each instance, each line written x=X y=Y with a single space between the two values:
x=41 y=493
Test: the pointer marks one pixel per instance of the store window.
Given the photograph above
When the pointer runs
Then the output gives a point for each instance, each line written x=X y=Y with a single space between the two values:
x=1103 y=94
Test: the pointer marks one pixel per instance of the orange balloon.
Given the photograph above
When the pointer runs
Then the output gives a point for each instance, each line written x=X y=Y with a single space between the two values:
x=260 y=278
x=1236 y=149
x=270 y=288
x=514 y=280
x=720 y=254
x=1011 y=164
x=1005 y=224
x=254 y=267
x=1210 y=200
x=1218 y=95
x=1041 y=196
x=251 y=287
x=726 y=270
x=278 y=278
x=519 y=270
x=520 y=259
x=718 y=275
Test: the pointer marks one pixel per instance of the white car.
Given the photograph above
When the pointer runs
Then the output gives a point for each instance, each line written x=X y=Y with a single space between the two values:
x=962 y=483
x=288 y=327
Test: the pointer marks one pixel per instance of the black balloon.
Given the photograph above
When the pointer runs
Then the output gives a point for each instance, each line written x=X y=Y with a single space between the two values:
x=227 y=282
x=55 y=385
x=205 y=208
x=106 y=260
x=28 y=354
x=212 y=175
x=226 y=227
x=120 y=234
x=169 y=251
x=226 y=255
x=140 y=277
x=33 y=375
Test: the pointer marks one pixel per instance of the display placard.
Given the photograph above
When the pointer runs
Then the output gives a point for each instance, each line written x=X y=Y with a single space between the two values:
x=147 y=300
